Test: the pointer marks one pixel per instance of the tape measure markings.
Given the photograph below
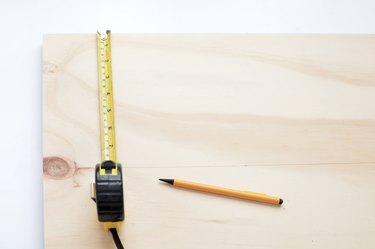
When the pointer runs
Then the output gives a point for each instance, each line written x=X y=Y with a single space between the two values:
x=106 y=104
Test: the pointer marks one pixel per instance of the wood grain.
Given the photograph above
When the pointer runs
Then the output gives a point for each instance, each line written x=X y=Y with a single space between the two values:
x=287 y=115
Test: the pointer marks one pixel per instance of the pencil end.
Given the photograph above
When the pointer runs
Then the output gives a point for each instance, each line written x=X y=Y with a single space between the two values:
x=281 y=201
x=170 y=181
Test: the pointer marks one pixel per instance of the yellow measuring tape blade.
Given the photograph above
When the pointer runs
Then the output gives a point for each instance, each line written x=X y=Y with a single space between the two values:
x=106 y=104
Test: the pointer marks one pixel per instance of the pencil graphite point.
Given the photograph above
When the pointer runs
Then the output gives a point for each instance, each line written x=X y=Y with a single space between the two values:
x=281 y=201
x=170 y=181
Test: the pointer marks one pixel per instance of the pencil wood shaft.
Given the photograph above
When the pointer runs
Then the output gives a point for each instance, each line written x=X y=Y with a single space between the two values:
x=228 y=192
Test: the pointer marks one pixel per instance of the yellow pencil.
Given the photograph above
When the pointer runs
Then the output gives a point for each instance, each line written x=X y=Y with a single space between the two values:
x=225 y=191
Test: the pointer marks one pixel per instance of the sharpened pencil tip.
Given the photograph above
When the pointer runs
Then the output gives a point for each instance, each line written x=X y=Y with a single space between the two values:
x=281 y=201
x=170 y=181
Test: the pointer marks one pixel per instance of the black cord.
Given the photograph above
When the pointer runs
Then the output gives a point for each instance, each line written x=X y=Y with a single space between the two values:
x=116 y=238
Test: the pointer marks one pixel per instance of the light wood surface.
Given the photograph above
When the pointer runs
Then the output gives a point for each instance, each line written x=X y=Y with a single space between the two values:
x=286 y=115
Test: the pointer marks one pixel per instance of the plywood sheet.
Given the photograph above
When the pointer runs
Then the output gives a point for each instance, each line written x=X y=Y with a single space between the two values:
x=288 y=115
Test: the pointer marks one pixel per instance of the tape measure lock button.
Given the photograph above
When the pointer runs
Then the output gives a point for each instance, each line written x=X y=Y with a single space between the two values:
x=108 y=166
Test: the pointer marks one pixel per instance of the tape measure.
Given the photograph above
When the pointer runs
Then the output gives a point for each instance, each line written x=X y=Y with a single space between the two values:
x=107 y=191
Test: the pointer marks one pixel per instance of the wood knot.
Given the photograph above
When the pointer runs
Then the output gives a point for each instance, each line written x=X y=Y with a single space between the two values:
x=50 y=68
x=58 y=168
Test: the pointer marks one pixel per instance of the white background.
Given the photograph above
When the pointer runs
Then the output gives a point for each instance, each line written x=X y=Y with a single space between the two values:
x=23 y=24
